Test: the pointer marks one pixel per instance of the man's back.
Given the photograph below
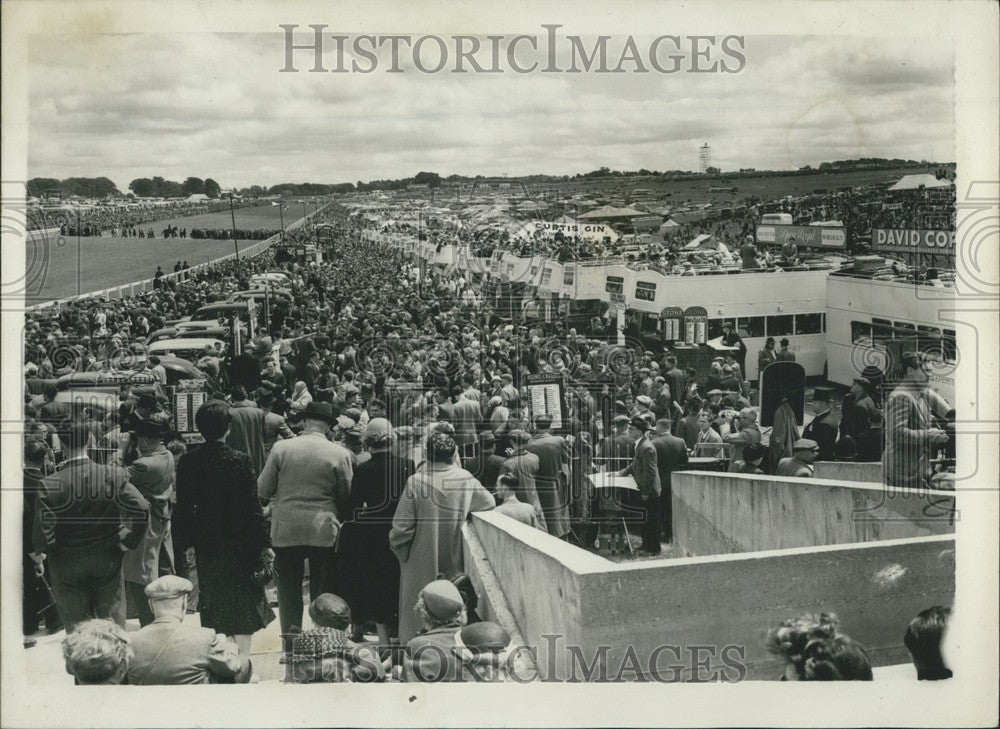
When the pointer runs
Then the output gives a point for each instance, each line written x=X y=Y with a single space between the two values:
x=551 y=451
x=169 y=653
x=465 y=418
x=671 y=455
x=310 y=479
x=247 y=433
x=83 y=505
x=524 y=513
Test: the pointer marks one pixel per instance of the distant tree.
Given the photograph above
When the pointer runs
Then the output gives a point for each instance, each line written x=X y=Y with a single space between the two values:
x=712 y=170
x=212 y=188
x=143 y=187
x=431 y=179
x=39 y=186
x=158 y=185
x=170 y=188
x=193 y=186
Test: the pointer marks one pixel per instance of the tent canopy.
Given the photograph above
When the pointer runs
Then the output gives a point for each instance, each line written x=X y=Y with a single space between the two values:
x=912 y=182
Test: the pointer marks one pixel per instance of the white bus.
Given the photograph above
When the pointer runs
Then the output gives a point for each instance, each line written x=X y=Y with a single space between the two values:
x=870 y=321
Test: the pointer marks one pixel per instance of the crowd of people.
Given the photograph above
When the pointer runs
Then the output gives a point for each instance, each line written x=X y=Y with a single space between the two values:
x=361 y=426
x=124 y=219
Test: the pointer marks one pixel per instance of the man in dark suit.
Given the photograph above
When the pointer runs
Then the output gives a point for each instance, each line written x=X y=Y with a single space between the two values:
x=823 y=428
x=86 y=517
x=35 y=595
x=486 y=465
x=671 y=455
x=857 y=409
x=675 y=377
x=646 y=473
x=617 y=449
x=52 y=412
x=553 y=487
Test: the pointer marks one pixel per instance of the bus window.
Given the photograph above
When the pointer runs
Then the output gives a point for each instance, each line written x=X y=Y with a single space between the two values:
x=808 y=323
x=861 y=330
x=823 y=321
x=881 y=329
x=614 y=284
x=949 y=347
x=904 y=330
x=927 y=337
x=780 y=326
x=715 y=327
x=750 y=326
x=568 y=277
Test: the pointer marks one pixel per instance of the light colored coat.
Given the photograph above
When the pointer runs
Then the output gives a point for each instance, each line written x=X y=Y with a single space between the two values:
x=426 y=532
x=309 y=479
x=153 y=475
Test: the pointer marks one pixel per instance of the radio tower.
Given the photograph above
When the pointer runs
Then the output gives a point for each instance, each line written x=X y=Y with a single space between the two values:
x=705 y=157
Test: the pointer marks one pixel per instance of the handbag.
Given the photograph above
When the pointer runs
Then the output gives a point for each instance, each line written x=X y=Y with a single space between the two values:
x=263 y=572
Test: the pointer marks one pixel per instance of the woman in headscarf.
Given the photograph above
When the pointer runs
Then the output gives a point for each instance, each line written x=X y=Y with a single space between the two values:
x=300 y=398
x=369 y=571
x=426 y=530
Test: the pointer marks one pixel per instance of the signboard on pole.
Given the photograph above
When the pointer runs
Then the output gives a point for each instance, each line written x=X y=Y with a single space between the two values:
x=545 y=396
x=695 y=325
x=898 y=240
x=672 y=321
x=189 y=395
x=806 y=236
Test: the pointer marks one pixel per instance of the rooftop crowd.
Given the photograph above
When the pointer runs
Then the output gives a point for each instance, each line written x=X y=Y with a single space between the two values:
x=364 y=423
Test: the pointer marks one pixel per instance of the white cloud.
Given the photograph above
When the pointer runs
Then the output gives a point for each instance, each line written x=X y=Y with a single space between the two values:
x=214 y=105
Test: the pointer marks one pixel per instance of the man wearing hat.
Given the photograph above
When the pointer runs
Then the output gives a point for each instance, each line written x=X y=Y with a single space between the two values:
x=275 y=426
x=551 y=481
x=766 y=356
x=430 y=656
x=617 y=448
x=856 y=409
x=732 y=338
x=152 y=473
x=799 y=464
x=86 y=517
x=486 y=465
x=523 y=465
x=784 y=354
x=246 y=432
x=823 y=427
x=309 y=479
x=169 y=653
x=646 y=473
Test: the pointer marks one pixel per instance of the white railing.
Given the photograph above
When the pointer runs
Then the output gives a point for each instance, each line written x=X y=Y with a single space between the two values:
x=137 y=287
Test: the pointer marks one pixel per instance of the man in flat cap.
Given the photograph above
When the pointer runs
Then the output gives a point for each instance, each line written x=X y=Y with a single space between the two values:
x=326 y=654
x=486 y=465
x=856 y=409
x=169 y=653
x=799 y=464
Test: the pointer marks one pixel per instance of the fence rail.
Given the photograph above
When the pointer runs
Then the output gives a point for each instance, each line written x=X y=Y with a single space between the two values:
x=137 y=287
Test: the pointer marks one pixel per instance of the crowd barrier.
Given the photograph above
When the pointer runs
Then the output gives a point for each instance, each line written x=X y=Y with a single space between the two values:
x=138 y=287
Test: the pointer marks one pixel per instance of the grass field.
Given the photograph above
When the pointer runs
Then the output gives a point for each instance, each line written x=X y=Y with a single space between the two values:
x=57 y=267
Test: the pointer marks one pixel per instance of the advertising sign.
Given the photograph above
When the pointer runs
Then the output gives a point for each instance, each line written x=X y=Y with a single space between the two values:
x=898 y=240
x=807 y=236
x=545 y=396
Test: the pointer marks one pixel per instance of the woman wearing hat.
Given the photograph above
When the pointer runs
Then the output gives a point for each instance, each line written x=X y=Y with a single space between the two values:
x=426 y=530
x=369 y=571
x=219 y=514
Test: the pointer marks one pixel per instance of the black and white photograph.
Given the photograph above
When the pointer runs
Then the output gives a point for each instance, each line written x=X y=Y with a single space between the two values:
x=584 y=350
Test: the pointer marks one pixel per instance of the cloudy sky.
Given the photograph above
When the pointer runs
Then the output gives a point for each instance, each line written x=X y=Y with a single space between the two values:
x=215 y=105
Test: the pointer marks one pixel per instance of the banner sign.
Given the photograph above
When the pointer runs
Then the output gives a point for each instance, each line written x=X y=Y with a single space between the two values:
x=695 y=325
x=808 y=236
x=896 y=240
x=589 y=231
x=672 y=319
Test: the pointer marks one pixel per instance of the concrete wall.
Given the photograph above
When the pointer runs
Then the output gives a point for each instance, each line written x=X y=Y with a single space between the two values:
x=731 y=600
x=844 y=471
x=719 y=513
x=762 y=559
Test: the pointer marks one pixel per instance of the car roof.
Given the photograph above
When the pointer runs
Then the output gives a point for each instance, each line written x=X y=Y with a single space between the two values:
x=185 y=343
